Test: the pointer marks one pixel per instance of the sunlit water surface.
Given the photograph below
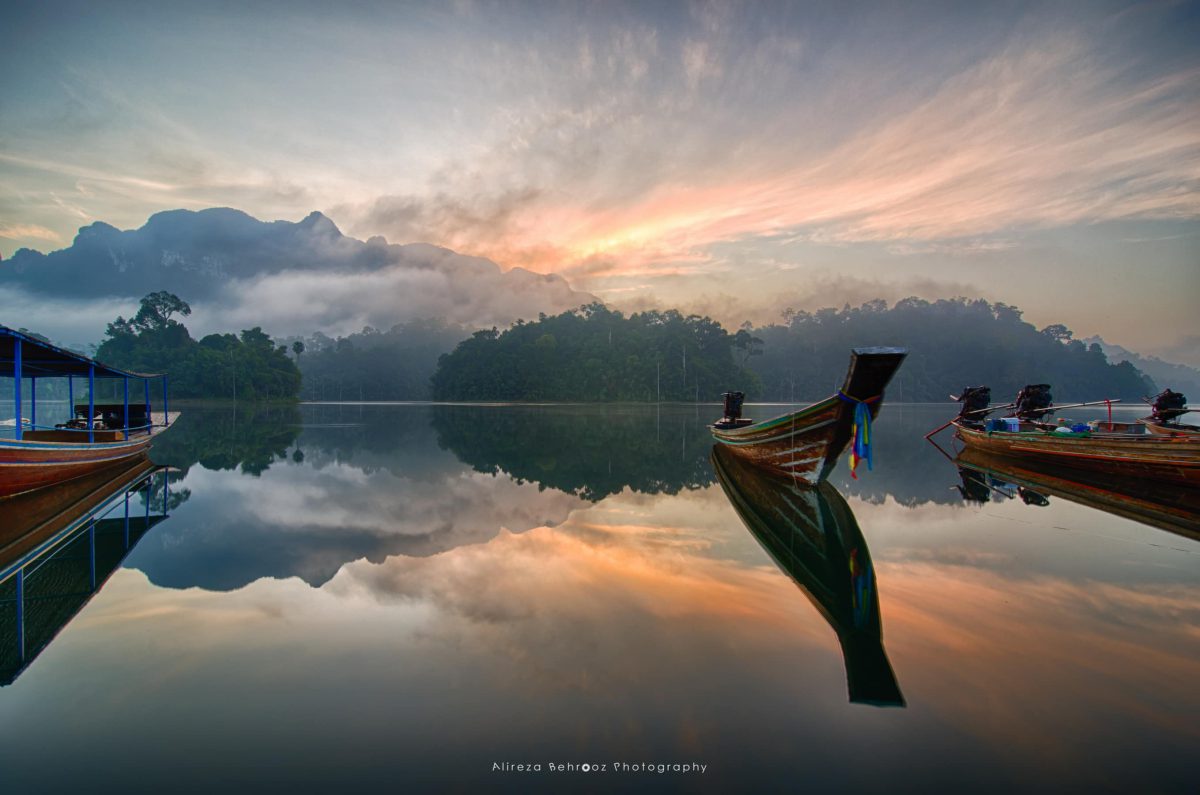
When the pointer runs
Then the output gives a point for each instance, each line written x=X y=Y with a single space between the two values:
x=407 y=596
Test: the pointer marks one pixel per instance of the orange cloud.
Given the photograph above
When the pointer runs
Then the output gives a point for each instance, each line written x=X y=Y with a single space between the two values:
x=1027 y=138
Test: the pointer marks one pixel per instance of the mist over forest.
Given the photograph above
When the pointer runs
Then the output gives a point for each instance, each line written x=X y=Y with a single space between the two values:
x=301 y=310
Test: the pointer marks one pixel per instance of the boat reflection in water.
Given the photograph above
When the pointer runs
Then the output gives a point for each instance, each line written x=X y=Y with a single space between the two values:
x=1167 y=506
x=59 y=545
x=811 y=534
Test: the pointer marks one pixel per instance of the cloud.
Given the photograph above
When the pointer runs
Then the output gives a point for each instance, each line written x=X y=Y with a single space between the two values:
x=289 y=278
x=68 y=321
x=763 y=305
x=26 y=232
x=295 y=302
x=308 y=521
x=1186 y=349
x=638 y=145
x=1044 y=132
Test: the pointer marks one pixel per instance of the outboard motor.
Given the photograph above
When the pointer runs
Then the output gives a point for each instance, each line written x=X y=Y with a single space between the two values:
x=1033 y=402
x=974 y=486
x=973 y=399
x=1168 y=405
x=1031 y=497
x=733 y=411
x=733 y=405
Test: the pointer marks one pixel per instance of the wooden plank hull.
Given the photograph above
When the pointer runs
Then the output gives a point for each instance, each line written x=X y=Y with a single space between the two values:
x=812 y=535
x=1164 y=458
x=805 y=445
x=29 y=464
x=64 y=543
x=29 y=519
x=1160 y=429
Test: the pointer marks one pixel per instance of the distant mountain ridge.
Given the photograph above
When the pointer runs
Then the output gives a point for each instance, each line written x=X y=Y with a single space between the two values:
x=221 y=255
x=1167 y=375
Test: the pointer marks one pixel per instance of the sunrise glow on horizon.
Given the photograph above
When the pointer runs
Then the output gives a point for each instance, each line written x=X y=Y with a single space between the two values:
x=730 y=159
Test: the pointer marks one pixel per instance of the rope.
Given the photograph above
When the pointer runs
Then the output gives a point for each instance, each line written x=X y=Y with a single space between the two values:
x=860 y=449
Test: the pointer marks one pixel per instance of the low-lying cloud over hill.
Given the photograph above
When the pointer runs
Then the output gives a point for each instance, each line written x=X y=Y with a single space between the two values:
x=289 y=278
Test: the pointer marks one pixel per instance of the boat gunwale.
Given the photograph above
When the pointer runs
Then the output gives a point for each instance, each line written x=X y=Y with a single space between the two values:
x=1076 y=438
x=774 y=421
x=1137 y=450
x=18 y=445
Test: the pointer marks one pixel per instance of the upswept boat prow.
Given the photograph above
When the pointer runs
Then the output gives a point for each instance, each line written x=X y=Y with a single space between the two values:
x=806 y=444
x=96 y=437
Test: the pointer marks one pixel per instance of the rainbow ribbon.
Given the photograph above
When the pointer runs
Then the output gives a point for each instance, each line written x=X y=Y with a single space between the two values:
x=861 y=583
x=860 y=450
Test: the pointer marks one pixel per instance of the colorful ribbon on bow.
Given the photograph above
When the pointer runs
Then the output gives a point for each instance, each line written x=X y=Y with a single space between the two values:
x=860 y=448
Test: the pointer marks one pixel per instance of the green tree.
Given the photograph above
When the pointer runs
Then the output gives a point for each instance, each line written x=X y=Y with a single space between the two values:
x=248 y=366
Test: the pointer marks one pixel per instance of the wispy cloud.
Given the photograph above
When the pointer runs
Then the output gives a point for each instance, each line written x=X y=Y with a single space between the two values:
x=29 y=232
x=1046 y=132
x=634 y=145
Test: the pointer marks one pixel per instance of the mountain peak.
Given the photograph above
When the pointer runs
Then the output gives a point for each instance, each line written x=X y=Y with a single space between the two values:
x=319 y=223
x=95 y=230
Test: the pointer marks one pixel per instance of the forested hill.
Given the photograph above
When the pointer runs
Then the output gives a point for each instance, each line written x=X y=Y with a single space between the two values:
x=952 y=344
x=248 y=366
x=598 y=354
x=595 y=353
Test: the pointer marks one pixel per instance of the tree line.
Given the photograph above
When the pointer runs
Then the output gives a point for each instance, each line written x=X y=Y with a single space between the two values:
x=246 y=366
x=598 y=354
x=952 y=344
x=595 y=353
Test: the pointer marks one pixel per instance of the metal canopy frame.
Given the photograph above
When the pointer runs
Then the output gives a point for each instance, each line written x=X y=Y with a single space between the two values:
x=23 y=356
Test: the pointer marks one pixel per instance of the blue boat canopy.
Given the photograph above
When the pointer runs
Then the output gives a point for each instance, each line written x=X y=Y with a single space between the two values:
x=41 y=358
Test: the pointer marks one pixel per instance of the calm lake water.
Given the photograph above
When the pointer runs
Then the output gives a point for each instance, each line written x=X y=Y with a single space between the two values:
x=405 y=596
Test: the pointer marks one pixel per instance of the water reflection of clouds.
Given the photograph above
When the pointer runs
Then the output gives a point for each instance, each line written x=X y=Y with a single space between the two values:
x=577 y=610
x=296 y=520
x=650 y=625
x=1062 y=540
x=1092 y=661
x=998 y=660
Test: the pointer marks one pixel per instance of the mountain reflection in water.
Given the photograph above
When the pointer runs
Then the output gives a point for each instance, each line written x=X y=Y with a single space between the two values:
x=402 y=595
x=350 y=482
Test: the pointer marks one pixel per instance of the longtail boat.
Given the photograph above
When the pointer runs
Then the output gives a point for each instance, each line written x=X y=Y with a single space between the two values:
x=1145 y=500
x=58 y=547
x=806 y=444
x=812 y=535
x=97 y=435
x=1117 y=449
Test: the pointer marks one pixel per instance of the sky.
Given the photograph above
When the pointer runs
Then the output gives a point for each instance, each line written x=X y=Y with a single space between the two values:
x=734 y=159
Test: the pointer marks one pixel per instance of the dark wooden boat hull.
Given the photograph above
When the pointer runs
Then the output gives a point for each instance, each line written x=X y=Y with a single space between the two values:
x=1145 y=500
x=1170 y=459
x=812 y=535
x=1168 y=429
x=28 y=519
x=36 y=463
x=805 y=445
x=62 y=544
